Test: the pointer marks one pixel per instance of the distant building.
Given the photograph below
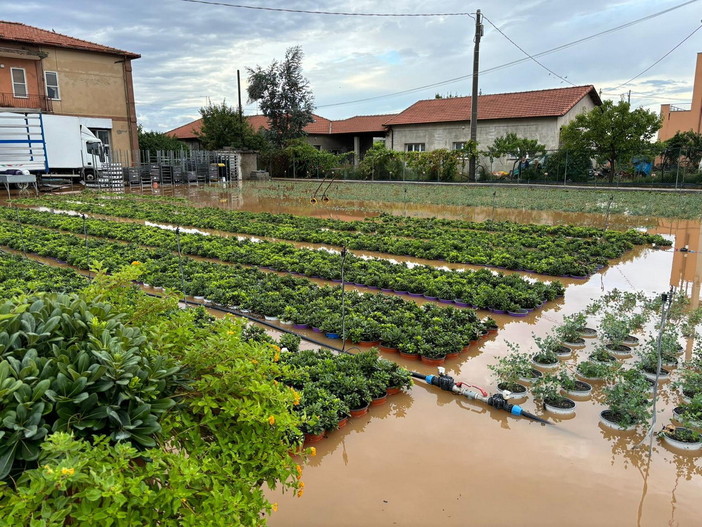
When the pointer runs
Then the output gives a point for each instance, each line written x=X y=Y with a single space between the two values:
x=676 y=119
x=45 y=71
x=445 y=123
x=355 y=134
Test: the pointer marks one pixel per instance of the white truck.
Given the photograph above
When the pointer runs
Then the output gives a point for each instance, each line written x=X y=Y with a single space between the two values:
x=49 y=145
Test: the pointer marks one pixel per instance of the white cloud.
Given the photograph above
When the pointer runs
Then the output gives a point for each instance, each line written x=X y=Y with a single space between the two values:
x=190 y=52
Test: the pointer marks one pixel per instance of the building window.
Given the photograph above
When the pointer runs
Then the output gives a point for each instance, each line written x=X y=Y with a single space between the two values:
x=19 y=83
x=52 y=85
x=415 y=147
x=459 y=145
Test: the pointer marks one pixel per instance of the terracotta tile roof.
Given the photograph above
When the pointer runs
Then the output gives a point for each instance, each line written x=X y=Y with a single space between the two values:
x=541 y=103
x=361 y=123
x=320 y=126
x=16 y=32
x=187 y=131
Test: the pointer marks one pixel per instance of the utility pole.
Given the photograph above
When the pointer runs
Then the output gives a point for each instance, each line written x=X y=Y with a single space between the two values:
x=472 y=175
x=241 y=116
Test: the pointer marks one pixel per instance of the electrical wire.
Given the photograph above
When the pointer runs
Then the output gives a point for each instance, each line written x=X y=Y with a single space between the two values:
x=518 y=61
x=660 y=59
x=564 y=79
x=328 y=13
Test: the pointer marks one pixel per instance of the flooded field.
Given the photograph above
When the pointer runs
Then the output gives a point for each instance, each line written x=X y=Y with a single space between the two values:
x=426 y=457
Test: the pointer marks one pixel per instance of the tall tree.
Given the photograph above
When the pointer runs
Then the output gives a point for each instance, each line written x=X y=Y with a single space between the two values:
x=284 y=96
x=222 y=126
x=612 y=132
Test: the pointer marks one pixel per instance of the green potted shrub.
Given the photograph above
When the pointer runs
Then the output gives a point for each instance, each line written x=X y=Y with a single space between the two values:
x=549 y=351
x=569 y=331
x=690 y=414
x=681 y=437
x=547 y=390
x=627 y=403
x=594 y=371
x=512 y=370
x=572 y=386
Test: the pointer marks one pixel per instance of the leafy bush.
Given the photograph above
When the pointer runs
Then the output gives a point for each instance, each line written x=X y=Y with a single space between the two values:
x=72 y=365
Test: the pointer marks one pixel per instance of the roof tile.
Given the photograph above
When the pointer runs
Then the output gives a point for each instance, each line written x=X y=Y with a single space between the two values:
x=541 y=103
x=17 y=32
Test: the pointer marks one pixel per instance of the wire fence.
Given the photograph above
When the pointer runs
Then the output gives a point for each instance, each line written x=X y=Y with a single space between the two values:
x=557 y=167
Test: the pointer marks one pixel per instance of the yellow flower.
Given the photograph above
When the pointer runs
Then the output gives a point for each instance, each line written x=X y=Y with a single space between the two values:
x=300 y=493
x=313 y=451
x=136 y=263
x=276 y=358
x=271 y=420
x=230 y=332
x=274 y=507
x=67 y=471
x=299 y=470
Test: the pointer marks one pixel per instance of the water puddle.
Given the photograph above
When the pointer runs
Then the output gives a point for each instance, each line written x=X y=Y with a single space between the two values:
x=428 y=457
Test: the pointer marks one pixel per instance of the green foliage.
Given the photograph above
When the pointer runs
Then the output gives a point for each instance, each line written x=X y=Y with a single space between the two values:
x=627 y=398
x=156 y=141
x=514 y=146
x=380 y=162
x=440 y=164
x=612 y=132
x=684 y=148
x=21 y=275
x=222 y=126
x=302 y=160
x=573 y=165
x=284 y=96
x=71 y=365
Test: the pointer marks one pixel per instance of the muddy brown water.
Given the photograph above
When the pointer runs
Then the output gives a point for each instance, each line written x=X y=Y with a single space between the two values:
x=426 y=457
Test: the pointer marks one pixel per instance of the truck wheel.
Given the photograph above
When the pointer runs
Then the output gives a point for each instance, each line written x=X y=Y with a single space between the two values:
x=90 y=176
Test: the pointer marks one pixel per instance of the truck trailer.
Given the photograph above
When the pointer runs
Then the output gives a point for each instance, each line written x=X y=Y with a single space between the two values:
x=49 y=145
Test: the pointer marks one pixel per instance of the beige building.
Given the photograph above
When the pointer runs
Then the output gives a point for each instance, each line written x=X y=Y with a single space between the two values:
x=45 y=71
x=445 y=123
x=676 y=119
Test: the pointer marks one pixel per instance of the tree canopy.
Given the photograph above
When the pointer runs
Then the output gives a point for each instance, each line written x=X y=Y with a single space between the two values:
x=222 y=126
x=612 y=132
x=284 y=96
x=514 y=146
x=686 y=145
x=155 y=141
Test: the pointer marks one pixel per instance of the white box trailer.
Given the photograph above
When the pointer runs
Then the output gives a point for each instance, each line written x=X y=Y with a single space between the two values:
x=48 y=145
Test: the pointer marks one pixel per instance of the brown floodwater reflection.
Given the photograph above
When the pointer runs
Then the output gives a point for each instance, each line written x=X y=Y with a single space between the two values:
x=428 y=458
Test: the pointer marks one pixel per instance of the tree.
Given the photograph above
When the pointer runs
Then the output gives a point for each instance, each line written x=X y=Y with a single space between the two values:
x=687 y=144
x=612 y=132
x=155 y=141
x=514 y=146
x=222 y=126
x=284 y=96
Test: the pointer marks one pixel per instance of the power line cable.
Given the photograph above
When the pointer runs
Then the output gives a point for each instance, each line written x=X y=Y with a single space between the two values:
x=518 y=61
x=659 y=60
x=328 y=13
x=564 y=79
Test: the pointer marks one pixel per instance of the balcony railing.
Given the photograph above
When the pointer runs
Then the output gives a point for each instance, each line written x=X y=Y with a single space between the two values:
x=31 y=102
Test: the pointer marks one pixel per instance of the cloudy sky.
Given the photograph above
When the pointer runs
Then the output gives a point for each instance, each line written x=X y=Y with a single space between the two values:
x=361 y=65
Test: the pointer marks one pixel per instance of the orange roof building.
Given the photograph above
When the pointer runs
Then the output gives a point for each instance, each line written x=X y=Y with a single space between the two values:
x=41 y=70
x=445 y=123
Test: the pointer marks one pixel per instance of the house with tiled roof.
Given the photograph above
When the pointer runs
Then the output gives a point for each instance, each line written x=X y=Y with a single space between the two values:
x=445 y=123
x=355 y=134
x=41 y=70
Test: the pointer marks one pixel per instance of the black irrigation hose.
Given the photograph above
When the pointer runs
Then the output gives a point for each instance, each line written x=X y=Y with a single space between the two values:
x=497 y=401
